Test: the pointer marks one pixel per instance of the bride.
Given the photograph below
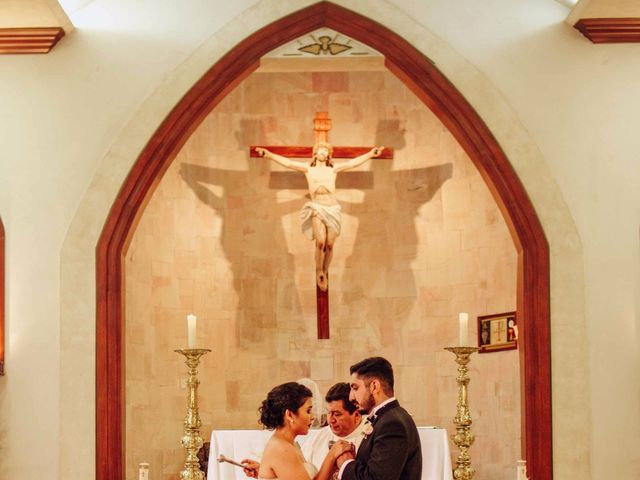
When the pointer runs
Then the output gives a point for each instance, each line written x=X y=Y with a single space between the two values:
x=287 y=410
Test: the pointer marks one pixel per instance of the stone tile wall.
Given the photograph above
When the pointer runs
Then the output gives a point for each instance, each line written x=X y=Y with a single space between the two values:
x=422 y=240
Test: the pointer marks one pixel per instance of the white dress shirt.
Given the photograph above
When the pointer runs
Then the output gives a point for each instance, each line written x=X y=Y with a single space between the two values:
x=316 y=450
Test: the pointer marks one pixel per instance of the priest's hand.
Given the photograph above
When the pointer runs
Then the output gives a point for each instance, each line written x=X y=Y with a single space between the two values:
x=340 y=447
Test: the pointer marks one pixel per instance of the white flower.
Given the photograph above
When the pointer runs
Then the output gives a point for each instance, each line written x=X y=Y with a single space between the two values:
x=367 y=430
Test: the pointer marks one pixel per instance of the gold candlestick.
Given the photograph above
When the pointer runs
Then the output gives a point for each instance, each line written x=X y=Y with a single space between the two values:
x=191 y=440
x=463 y=437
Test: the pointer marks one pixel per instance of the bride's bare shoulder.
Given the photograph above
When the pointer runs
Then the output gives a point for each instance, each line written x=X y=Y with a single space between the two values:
x=279 y=446
x=278 y=456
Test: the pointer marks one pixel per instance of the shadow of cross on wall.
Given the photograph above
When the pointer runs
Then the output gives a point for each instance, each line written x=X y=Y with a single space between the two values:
x=382 y=293
x=379 y=288
x=250 y=225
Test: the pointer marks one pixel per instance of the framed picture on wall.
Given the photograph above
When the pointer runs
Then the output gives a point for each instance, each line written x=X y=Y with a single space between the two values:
x=497 y=332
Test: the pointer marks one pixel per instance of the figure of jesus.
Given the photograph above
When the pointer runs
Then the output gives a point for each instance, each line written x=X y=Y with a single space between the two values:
x=321 y=217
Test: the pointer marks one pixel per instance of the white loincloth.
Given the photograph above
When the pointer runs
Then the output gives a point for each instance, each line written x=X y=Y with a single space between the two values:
x=330 y=215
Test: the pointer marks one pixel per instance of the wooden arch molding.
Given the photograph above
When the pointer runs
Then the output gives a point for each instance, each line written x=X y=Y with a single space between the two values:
x=420 y=75
x=2 y=297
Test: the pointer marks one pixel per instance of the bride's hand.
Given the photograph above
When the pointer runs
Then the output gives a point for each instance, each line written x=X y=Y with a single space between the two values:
x=251 y=468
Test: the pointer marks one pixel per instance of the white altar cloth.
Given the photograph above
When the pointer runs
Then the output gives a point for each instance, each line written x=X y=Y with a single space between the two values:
x=240 y=444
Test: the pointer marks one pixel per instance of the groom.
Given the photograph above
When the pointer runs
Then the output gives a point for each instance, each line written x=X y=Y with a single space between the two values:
x=391 y=447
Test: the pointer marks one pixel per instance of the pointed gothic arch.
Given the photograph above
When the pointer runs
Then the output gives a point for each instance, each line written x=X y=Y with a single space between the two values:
x=432 y=88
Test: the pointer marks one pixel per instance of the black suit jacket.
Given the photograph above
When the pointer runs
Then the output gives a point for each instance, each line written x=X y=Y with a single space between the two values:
x=391 y=452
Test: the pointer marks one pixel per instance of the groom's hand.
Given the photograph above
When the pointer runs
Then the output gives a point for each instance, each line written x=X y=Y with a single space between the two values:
x=344 y=457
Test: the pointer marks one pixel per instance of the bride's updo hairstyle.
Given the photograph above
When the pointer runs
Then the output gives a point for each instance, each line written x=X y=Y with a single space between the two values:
x=288 y=396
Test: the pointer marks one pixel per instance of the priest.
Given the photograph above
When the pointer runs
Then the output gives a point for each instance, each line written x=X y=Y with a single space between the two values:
x=344 y=423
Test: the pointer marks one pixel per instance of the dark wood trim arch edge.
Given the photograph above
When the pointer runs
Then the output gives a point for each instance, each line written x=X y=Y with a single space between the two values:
x=423 y=78
x=2 y=297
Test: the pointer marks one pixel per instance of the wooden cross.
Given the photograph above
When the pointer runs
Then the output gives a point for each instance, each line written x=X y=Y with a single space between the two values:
x=321 y=128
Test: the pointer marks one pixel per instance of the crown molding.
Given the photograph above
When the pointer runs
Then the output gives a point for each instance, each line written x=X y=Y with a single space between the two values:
x=610 y=30
x=29 y=40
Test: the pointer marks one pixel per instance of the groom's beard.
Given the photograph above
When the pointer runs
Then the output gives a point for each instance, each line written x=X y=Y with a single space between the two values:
x=367 y=405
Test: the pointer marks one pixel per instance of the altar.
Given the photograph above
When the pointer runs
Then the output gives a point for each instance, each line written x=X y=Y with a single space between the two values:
x=240 y=444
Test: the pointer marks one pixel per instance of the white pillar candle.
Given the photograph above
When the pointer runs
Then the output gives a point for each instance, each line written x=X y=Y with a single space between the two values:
x=522 y=470
x=143 y=471
x=463 y=320
x=191 y=331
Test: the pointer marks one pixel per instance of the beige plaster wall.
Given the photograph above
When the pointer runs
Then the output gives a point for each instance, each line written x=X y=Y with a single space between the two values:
x=422 y=240
x=604 y=9
x=33 y=13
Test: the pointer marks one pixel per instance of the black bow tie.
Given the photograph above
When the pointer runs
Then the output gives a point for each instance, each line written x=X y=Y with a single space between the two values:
x=374 y=418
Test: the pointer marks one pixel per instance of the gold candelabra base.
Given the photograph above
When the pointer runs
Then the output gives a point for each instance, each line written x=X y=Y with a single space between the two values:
x=463 y=437
x=191 y=440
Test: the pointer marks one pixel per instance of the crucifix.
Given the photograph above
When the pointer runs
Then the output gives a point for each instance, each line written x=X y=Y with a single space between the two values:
x=321 y=216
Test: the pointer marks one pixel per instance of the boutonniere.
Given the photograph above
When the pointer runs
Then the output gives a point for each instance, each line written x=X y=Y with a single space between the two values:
x=367 y=430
